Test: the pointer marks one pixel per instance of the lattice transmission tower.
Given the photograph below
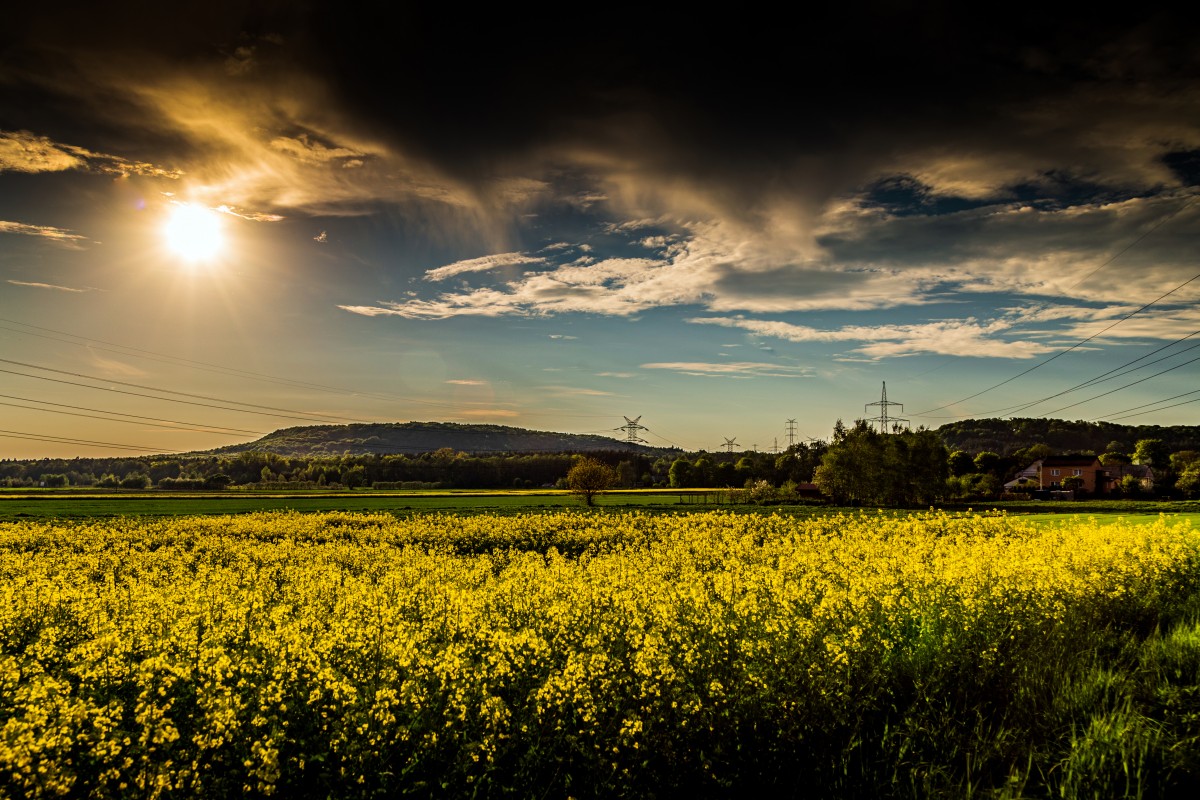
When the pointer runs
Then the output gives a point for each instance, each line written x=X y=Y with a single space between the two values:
x=886 y=421
x=631 y=428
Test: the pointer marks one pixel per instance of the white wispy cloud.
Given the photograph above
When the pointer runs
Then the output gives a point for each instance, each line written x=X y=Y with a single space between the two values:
x=368 y=311
x=616 y=287
x=467 y=382
x=1166 y=324
x=854 y=263
x=571 y=391
x=58 y=235
x=964 y=337
x=736 y=369
x=252 y=216
x=563 y=336
x=114 y=368
x=482 y=264
x=53 y=286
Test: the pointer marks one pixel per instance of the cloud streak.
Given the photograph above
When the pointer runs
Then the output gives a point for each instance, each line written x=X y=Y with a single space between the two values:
x=967 y=338
x=23 y=151
x=734 y=369
x=60 y=236
x=482 y=264
x=51 y=286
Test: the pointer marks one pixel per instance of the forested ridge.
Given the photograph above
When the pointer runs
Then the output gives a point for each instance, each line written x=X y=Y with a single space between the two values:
x=423 y=437
x=1005 y=436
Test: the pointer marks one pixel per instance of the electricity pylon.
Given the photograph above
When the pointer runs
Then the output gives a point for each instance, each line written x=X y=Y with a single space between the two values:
x=631 y=428
x=887 y=422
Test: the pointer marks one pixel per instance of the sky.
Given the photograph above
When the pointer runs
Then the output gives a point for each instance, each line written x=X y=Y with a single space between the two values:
x=221 y=219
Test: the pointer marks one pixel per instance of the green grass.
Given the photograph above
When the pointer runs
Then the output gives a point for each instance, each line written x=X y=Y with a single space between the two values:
x=87 y=504
x=1142 y=518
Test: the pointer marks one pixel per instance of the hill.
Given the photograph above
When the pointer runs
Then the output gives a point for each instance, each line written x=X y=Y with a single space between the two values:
x=1006 y=436
x=425 y=437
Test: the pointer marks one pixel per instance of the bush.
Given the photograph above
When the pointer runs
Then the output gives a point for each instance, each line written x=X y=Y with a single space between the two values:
x=135 y=480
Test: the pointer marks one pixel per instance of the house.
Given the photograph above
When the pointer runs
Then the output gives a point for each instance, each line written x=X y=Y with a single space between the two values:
x=1056 y=469
x=1142 y=473
x=1026 y=478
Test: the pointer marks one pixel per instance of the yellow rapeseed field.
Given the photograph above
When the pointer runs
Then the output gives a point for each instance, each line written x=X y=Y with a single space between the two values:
x=565 y=653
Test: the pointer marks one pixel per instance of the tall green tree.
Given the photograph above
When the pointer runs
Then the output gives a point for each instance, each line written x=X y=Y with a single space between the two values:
x=865 y=467
x=1153 y=452
x=960 y=463
x=680 y=474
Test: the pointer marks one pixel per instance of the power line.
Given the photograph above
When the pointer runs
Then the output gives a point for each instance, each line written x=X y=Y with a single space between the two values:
x=137 y=419
x=152 y=397
x=38 y=437
x=1164 y=408
x=1145 y=405
x=665 y=439
x=1046 y=304
x=205 y=366
x=1140 y=380
x=308 y=414
x=1061 y=353
x=1119 y=372
x=1115 y=372
x=164 y=358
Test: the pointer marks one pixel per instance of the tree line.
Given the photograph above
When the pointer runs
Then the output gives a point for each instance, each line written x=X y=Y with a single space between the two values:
x=857 y=466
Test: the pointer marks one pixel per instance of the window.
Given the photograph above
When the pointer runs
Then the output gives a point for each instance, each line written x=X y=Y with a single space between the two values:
x=1054 y=472
x=1077 y=472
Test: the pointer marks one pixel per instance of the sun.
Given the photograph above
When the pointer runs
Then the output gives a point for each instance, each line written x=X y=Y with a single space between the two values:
x=194 y=232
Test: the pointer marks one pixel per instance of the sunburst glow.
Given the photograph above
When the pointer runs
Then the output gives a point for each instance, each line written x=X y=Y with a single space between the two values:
x=194 y=232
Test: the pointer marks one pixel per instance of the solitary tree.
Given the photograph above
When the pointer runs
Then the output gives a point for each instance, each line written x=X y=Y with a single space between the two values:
x=589 y=477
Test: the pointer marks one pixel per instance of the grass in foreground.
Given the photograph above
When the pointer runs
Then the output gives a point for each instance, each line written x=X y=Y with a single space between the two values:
x=60 y=504
x=355 y=655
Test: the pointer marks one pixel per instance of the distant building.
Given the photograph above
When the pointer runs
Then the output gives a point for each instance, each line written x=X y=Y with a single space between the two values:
x=1026 y=478
x=1055 y=469
x=1142 y=473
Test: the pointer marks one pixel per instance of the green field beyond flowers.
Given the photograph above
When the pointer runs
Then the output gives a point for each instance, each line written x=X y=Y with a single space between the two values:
x=561 y=654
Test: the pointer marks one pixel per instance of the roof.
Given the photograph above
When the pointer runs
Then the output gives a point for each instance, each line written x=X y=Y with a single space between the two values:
x=1069 y=461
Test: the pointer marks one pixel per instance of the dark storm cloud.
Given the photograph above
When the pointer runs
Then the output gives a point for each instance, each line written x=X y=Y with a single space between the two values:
x=739 y=93
x=850 y=160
